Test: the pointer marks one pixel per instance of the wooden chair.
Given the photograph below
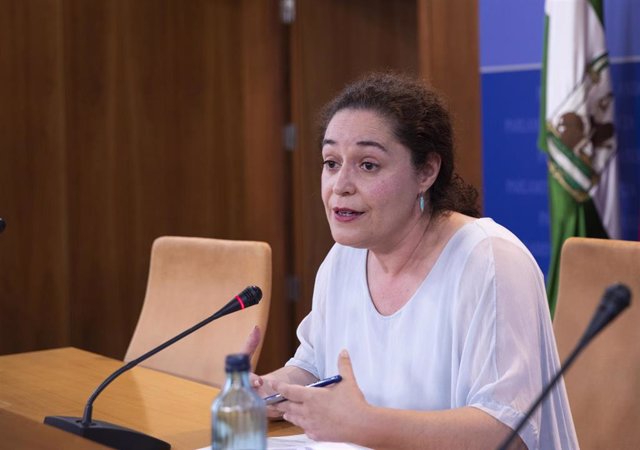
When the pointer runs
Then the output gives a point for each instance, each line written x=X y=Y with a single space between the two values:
x=189 y=280
x=604 y=383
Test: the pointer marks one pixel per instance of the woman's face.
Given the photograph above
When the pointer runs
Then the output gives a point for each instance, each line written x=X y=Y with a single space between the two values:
x=369 y=185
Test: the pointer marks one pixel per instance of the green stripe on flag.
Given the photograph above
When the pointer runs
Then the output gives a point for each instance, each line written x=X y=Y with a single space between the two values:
x=583 y=167
x=570 y=219
x=599 y=64
x=570 y=182
x=598 y=8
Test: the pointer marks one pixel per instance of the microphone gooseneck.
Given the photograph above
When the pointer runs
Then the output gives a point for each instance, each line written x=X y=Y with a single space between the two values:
x=249 y=297
x=615 y=299
x=120 y=437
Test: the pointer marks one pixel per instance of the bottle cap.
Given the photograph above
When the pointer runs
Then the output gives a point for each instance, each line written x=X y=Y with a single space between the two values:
x=237 y=362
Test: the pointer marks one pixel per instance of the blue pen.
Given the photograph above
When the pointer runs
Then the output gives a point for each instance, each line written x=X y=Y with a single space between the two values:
x=277 y=398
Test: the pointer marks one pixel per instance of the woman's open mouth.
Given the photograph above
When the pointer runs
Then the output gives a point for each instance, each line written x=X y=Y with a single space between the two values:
x=346 y=214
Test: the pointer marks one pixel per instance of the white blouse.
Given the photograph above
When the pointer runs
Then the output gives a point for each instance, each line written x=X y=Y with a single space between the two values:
x=477 y=332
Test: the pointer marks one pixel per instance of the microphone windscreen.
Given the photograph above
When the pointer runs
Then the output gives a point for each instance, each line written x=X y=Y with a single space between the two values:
x=251 y=295
x=617 y=297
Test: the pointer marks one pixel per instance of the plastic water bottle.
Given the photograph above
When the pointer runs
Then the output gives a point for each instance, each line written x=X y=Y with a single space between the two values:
x=238 y=414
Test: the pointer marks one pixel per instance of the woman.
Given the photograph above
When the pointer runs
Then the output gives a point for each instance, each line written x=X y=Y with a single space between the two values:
x=436 y=320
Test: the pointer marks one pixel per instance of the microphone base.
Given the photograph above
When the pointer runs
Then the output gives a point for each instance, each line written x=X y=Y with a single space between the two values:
x=108 y=434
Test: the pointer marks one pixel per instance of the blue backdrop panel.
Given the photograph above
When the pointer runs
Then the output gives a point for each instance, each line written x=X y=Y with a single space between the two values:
x=626 y=89
x=514 y=169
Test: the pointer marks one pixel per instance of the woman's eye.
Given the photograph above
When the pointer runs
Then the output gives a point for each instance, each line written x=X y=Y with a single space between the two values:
x=369 y=166
x=329 y=164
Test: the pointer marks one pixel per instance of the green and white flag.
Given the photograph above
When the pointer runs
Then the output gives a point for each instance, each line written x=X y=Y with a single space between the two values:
x=577 y=128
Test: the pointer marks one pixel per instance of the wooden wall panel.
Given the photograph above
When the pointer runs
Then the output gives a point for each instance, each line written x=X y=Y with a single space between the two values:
x=33 y=250
x=186 y=147
x=149 y=118
x=100 y=235
x=264 y=170
x=145 y=122
x=334 y=42
x=449 y=58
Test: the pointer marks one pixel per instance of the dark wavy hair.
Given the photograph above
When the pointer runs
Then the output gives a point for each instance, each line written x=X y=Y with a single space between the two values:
x=421 y=122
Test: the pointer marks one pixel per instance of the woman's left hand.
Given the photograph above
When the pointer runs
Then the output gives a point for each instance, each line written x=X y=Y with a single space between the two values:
x=332 y=413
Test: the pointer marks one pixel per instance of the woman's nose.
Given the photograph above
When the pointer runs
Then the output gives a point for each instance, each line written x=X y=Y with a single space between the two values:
x=343 y=182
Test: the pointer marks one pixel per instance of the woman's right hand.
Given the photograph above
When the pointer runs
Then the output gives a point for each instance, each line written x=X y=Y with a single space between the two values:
x=263 y=389
x=263 y=385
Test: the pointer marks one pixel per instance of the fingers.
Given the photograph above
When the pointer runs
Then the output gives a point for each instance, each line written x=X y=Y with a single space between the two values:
x=264 y=390
x=344 y=366
x=289 y=410
x=287 y=390
x=252 y=342
x=274 y=413
x=322 y=412
x=255 y=381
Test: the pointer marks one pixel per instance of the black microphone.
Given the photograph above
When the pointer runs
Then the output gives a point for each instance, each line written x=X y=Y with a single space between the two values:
x=615 y=299
x=125 y=438
x=3 y=224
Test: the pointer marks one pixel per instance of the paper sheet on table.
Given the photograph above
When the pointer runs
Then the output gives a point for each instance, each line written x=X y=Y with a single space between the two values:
x=303 y=442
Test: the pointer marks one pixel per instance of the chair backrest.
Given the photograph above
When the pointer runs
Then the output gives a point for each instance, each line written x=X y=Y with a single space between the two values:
x=604 y=383
x=189 y=280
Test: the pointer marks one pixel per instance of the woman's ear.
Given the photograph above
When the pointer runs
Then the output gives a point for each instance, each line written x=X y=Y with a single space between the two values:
x=429 y=172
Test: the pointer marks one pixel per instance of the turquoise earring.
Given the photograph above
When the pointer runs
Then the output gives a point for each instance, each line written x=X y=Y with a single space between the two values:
x=421 y=202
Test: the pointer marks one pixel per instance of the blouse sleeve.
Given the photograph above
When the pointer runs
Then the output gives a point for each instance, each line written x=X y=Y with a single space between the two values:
x=502 y=349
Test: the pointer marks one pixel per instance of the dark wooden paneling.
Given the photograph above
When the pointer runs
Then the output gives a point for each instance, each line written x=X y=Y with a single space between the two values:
x=103 y=307
x=155 y=121
x=33 y=250
x=187 y=131
x=125 y=121
x=266 y=211
x=449 y=58
x=334 y=42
